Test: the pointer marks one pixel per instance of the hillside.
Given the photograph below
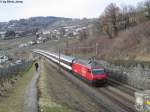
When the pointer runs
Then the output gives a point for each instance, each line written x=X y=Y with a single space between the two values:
x=40 y=23
x=132 y=44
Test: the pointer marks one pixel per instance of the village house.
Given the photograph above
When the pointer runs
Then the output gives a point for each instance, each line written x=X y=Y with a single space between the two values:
x=2 y=35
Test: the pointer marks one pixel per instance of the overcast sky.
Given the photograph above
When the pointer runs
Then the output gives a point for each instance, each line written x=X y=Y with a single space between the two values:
x=59 y=8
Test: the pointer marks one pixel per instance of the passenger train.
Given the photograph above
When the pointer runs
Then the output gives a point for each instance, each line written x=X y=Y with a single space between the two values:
x=85 y=69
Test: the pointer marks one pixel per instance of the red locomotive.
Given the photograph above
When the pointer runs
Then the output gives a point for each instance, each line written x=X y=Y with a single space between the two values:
x=88 y=70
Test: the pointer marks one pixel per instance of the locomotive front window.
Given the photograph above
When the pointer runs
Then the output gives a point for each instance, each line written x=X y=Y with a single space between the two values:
x=98 y=71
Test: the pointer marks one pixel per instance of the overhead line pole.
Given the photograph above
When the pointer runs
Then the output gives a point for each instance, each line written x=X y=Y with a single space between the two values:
x=59 y=60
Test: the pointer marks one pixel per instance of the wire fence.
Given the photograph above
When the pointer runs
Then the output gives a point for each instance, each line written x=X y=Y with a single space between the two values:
x=8 y=74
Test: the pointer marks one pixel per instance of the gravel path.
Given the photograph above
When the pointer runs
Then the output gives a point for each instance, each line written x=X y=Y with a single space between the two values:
x=31 y=103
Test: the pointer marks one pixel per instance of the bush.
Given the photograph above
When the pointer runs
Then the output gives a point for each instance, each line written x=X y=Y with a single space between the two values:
x=8 y=74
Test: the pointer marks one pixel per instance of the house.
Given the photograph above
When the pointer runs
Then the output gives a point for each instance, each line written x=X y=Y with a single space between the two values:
x=46 y=32
x=2 y=35
x=31 y=42
x=19 y=34
x=22 y=45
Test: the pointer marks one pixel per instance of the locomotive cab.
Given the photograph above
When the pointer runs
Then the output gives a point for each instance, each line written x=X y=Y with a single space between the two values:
x=99 y=76
x=98 y=71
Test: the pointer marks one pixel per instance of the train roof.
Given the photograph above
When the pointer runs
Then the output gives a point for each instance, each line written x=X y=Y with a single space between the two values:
x=67 y=58
x=63 y=57
x=90 y=64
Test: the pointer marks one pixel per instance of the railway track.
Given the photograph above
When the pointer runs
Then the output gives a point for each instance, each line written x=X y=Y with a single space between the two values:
x=113 y=97
x=108 y=99
x=118 y=99
x=119 y=93
x=122 y=87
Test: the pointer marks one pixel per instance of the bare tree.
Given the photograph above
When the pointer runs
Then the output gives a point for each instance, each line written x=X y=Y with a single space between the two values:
x=124 y=17
x=106 y=26
x=112 y=12
x=132 y=15
x=127 y=17
x=83 y=35
x=110 y=20
x=140 y=10
x=147 y=8
x=94 y=28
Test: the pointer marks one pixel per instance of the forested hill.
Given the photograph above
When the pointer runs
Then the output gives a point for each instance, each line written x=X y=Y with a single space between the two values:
x=40 y=23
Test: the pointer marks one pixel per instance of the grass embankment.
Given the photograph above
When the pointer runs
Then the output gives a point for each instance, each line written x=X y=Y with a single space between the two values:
x=45 y=101
x=14 y=98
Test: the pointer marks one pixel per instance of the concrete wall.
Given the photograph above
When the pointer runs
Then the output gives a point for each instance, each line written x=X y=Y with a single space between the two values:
x=136 y=76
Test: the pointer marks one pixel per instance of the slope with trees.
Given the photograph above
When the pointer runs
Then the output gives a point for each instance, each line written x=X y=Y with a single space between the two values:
x=124 y=34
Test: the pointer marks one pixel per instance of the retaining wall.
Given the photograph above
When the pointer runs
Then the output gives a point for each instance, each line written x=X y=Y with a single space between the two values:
x=137 y=76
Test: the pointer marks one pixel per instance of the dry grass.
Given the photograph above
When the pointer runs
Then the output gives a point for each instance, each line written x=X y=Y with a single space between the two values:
x=13 y=101
x=11 y=46
x=130 y=44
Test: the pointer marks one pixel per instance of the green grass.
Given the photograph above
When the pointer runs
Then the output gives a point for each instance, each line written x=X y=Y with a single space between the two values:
x=14 y=99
